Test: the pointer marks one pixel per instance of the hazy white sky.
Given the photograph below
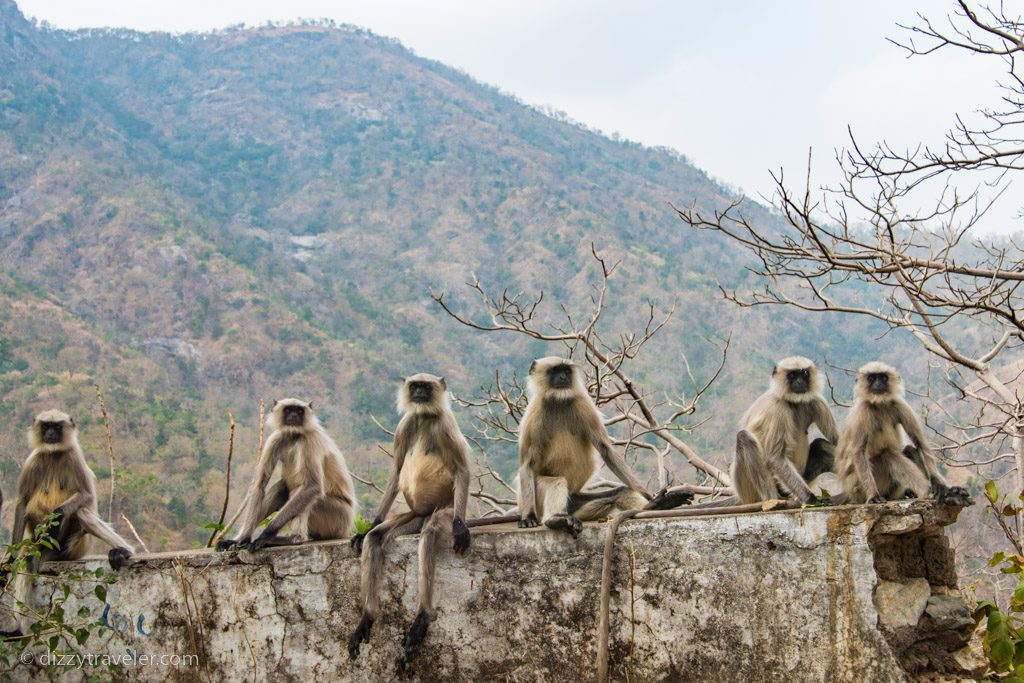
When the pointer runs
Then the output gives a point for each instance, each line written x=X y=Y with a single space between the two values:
x=740 y=87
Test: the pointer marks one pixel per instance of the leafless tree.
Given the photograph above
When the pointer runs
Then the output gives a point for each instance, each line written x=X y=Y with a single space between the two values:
x=866 y=247
x=641 y=422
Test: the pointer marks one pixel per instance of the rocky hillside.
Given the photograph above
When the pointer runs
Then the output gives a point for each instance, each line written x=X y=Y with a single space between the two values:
x=194 y=222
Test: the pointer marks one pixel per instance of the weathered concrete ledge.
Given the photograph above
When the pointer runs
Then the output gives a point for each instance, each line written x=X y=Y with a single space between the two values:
x=839 y=594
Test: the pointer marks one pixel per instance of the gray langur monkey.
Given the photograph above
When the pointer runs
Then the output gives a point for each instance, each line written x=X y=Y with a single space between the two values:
x=56 y=479
x=560 y=432
x=431 y=468
x=314 y=494
x=772 y=446
x=874 y=465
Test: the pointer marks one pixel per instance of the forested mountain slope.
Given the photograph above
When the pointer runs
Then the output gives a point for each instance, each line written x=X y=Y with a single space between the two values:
x=194 y=222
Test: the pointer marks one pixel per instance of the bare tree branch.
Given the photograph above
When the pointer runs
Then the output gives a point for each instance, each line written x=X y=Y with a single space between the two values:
x=891 y=241
x=609 y=382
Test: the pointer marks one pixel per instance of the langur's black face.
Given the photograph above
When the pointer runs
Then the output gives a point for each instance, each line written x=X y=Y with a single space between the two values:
x=799 y=381
x=560 y=377
x=421 y=392
x=51 y=432
x=293 y=416
x=878 y=382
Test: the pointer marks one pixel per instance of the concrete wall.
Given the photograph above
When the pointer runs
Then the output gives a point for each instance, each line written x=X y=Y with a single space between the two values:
x=840 y=594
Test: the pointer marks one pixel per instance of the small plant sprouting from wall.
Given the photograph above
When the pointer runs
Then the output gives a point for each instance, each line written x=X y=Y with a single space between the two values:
x=58 y=627
x=1003 y=641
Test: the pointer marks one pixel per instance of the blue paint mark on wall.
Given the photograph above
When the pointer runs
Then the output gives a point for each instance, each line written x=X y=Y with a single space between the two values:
x=123 y=623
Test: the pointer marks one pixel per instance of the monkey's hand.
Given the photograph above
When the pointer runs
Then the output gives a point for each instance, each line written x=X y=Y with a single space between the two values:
x=877 y=498
x=266 y=540
x=667 y=500
x=528 y=522
x=119 y=557
x=567 y=523
x=952 y=495
x=258 y=543
x=460 y=532
x=231 y=544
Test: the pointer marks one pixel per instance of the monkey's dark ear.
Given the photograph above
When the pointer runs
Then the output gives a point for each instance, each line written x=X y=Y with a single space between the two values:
x=444 y=385
x=71 y=420
x=533 y=366
x=775 y=368
x=275 y=404
x=310 y=405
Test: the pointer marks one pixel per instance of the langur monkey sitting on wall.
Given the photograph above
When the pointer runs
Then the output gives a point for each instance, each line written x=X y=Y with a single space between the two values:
x=772 y=446
x=559 y=433
x=56 y=479
x=431 y=468
x=874 y=465
x=315 y=492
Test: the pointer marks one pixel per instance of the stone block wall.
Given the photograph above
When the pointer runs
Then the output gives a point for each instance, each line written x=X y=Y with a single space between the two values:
x=848 y=593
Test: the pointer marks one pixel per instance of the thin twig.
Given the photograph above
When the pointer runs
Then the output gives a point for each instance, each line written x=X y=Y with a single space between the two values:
x=110 y=449
x=259 y=452
x=227 y=481
x=263 y=426
x=131 y=528
x=368 y=482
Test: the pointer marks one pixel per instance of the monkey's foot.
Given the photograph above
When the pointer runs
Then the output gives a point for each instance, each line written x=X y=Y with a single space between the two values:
x=360 y=635
x=528 y=522
x=356 y=543
x=119 y=557
x=229 y=544
x=876 y=499
x=566 y=523
x=272 y=541
x=11 y=635
x=460 y=534
x=909 y=494
x=414 y=636
x=668 y=500
x=955 y=495
x=357 y=540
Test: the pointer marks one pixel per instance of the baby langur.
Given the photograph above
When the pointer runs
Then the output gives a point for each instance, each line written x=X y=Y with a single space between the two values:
x=874 y=465
x=431 y=468
x=772 y=446
x=559 y=433
x=314 y=494
x=56 y=479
